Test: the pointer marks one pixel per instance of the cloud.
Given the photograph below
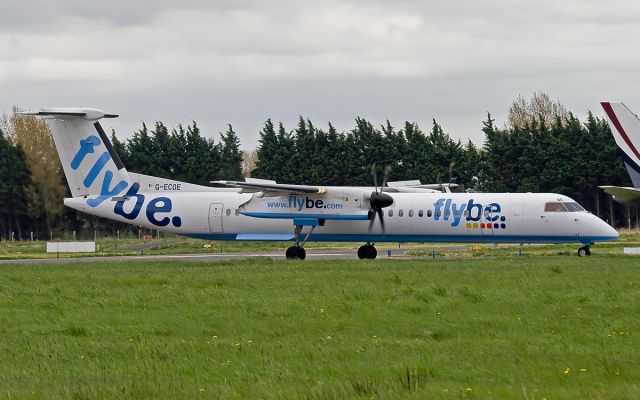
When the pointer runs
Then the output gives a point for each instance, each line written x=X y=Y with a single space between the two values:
x=226 y=54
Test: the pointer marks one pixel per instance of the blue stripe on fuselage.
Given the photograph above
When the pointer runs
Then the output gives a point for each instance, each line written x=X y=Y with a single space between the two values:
x=350 y=217
x=408 y=238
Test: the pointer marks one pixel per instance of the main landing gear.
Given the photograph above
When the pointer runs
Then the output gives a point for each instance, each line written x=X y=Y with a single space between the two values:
x=584 y=250
x=367 y=251
x=297 y=251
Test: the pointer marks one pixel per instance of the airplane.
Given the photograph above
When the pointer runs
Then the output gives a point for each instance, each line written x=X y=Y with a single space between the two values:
x=626 y=132
x=264 y=210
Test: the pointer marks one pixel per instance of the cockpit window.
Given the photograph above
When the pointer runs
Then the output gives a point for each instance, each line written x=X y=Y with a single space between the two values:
x=554 y=206
x=573 y=207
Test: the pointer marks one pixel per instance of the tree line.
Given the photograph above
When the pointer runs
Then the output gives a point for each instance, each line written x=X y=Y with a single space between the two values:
x=182 y=154
x=541 y=148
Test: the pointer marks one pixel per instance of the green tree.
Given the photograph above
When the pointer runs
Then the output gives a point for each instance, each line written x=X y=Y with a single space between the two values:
x=270 y=153
x=201 y=157
x=230 y=156
x=303 y=156
x=161 y=149
x=47 y=190
x=120 y=148
x=139 y=150
x=14 y=179
x=266 y=152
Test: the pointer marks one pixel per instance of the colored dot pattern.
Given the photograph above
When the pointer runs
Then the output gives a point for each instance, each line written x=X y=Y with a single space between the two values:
x=487 y=225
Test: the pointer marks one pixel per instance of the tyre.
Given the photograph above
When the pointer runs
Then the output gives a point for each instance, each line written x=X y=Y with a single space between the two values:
x=362 y=252
x=291 y=253
x=373 y=253
x=296 y=253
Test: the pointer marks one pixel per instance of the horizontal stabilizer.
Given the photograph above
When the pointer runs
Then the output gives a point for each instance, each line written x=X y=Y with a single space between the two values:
x=625 y=195
x=92 y=114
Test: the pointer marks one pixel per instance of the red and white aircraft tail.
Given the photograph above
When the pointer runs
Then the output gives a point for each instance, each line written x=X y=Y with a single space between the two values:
x=625 y=127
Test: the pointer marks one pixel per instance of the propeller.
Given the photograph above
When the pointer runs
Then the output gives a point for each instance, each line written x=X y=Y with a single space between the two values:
x=379 y=200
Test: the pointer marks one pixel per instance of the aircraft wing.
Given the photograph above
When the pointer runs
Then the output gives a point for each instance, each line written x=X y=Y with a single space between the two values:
x=625 y=195
x=415 y=186
x=268 y=186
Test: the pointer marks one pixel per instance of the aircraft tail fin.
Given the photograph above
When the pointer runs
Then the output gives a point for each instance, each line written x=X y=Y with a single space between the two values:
x=626 y=131
x=90 y=163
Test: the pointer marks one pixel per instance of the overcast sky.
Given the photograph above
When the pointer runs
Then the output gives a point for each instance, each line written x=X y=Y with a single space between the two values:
x=241 y=62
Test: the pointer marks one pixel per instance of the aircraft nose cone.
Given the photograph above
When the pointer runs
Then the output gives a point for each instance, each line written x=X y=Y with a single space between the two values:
x=606 y=231
x=612 y=232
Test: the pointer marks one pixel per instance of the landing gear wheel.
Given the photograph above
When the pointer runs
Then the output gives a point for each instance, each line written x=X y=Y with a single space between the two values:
x=367 y=251
x=584 y=251
x=295 y=253
x=362 y=252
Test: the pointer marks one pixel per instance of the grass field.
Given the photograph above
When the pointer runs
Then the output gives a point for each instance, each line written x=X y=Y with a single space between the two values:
x=168 y=245
x=522 y=327
x=182 y=245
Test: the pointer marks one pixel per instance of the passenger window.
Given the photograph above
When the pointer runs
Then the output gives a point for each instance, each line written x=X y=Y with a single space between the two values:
x=420 y=213
x=391 y=213
x=554 y=206
x=429 y=213
x=228 y=212
x=411 y=213
x=438 y=213
x=400 y=213
x=237 y=212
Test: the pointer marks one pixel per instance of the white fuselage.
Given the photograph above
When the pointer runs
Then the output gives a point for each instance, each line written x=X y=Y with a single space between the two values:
x=100 y=185
x=413 y=217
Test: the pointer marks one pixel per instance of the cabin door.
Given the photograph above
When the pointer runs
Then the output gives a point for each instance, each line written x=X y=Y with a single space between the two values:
x=215 y=217
x=515 y=221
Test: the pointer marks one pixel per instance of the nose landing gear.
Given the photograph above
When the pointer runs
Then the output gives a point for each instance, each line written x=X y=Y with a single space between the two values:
x=367 y=251
x=584 y=250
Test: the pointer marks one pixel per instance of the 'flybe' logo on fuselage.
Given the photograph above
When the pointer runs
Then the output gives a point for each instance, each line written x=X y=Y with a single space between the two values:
x=475 y=214
x=155 y=207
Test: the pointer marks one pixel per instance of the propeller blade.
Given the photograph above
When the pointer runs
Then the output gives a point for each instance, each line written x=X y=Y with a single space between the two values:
x=375 y=176
x=379 y=200
x=387 y=170
x=381 y=215
x=451 y=165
